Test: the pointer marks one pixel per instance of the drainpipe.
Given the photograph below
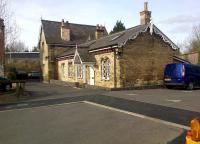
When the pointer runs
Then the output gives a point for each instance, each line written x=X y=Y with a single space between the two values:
x=115 y=77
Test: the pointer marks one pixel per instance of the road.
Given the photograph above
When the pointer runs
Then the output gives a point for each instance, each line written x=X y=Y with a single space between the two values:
x=147 y=103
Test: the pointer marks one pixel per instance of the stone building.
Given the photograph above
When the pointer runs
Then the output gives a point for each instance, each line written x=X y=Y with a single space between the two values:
x=23 y=61
x=133 y=57
x=57 y=37
x=2 y=47
x=192 y=57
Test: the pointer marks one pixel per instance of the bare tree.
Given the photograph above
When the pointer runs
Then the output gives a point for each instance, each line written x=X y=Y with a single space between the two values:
x=194 y=41
x=17 y=46
x=11 y=29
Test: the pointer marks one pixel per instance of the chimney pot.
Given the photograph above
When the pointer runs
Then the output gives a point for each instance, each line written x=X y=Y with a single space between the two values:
x=65 y=31
x=99 y=31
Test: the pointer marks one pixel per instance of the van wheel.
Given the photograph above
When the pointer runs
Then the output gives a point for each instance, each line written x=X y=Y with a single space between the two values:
x=190 y=86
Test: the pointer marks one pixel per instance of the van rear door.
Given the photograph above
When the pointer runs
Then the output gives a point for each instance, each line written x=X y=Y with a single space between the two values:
x=174 y=73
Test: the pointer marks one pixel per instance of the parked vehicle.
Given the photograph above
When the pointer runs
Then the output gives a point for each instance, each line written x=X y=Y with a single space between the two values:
x=178 y=74
x=34 y=75
x=21 y=75
x=5 y=84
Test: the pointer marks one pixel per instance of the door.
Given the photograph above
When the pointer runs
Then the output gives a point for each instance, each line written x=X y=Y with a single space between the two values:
x=91 y=76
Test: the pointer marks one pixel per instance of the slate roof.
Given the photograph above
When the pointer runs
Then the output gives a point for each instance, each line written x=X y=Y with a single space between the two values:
x=79 y=33
x=68 y=52
x=23 y=55
x=83 y=53
x=119 y=39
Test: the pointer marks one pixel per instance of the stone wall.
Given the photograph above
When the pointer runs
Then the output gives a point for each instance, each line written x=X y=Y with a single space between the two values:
x=44 y=55
x=98 y=79
x=47 y=59
x=191 y=57
x=27 y=65
x=144 y=60
x=63 y=75
x=53 y=52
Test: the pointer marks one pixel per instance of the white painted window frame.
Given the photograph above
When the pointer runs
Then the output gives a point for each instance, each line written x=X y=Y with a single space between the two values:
x=105 y=69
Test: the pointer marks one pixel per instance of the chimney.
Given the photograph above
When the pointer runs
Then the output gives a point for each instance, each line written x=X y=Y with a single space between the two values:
x=145 y=15
x=65 y=30
x=99 y=31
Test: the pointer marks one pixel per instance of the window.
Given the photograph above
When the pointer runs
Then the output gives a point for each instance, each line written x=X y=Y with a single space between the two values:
x=70 y=69
x=105 y=69
x=79 y=71
x=63 y=69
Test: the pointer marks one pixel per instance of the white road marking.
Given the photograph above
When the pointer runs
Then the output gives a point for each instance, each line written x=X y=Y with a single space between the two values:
x=174 y=101
x=21 y=105
x=132 y=94
x=77 y=88
x=47 y=106
x=110 y=108
x=140 y=116
x=187 y=91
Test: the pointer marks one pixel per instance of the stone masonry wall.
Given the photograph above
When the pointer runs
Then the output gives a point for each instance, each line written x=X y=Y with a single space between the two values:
x=64 y=76
x=44 y=57
x=53 y=53
x=98 y=80
x=144 y=60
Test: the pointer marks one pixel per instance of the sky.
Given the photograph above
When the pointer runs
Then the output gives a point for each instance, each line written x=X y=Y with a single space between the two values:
x=174 y=17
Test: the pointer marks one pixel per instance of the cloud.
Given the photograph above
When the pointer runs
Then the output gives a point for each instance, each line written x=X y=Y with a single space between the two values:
x=180 y=19
x=181 y=28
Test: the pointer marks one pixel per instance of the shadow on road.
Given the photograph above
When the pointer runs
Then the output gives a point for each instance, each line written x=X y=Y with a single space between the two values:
x=180 y=139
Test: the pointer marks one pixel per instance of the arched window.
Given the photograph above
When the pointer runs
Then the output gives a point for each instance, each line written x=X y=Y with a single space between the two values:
x=105 y=69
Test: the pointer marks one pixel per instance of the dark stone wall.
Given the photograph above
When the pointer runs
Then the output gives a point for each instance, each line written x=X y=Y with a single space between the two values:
x=144 y=59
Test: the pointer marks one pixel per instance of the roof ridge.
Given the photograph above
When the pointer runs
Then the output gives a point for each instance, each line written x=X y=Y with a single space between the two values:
x=120 y=32
x=70 y=23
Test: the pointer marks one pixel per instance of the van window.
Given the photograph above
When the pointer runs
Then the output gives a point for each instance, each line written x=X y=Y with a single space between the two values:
x=174 y=70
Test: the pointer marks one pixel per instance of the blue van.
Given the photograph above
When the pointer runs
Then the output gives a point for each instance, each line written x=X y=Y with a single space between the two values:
x=181 y=74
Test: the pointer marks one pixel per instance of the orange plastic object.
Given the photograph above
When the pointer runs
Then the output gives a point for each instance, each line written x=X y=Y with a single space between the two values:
x=190 y=141
x=195 y=130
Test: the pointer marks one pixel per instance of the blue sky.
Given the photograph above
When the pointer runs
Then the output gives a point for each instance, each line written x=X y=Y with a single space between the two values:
x=174 y=17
